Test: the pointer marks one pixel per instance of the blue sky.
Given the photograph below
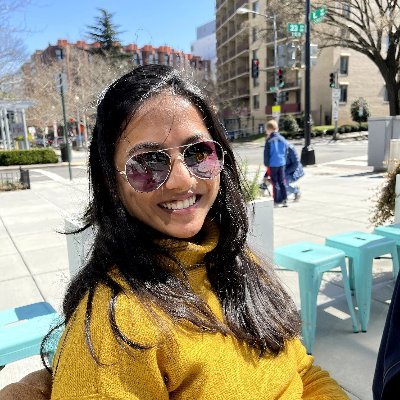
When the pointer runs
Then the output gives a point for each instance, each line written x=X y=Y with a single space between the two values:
x=156 y=22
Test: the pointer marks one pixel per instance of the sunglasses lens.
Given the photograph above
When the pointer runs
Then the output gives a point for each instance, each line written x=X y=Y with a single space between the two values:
x=204 y=159
x=148 y=171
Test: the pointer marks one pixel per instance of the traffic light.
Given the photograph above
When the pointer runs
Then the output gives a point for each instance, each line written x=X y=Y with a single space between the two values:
x=332 y=80
x=255 y=63
x=281 y=97
x=281 y=83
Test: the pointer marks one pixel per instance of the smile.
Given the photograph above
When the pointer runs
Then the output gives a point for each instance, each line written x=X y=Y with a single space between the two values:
x=179 y=204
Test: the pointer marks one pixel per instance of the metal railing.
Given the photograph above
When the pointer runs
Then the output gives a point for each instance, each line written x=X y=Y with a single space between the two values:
x=15 y=180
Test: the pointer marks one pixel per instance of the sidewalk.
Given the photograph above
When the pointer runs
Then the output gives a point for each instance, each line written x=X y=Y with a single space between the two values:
x=336 y=197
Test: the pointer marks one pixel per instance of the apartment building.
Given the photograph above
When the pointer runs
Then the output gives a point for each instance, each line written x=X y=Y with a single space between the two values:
x=205 y=45
x=63 y=50
x=248 y=102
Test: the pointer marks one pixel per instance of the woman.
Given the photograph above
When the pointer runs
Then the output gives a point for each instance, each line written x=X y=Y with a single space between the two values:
x=172 y=304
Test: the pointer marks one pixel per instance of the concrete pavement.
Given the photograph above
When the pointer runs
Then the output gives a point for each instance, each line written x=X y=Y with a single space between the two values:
x=336 y=197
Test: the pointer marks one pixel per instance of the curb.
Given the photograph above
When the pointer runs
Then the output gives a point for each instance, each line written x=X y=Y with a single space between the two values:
x=34 y=166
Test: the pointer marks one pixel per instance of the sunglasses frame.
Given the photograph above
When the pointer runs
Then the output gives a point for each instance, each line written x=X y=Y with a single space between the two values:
x=181 y=156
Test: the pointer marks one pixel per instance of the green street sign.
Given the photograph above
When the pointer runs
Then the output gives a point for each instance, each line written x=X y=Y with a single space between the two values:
x=296 y=29
x=272 y=88
x=318 y=15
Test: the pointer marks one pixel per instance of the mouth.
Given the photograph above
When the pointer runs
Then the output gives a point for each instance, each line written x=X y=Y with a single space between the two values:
x=180 y=204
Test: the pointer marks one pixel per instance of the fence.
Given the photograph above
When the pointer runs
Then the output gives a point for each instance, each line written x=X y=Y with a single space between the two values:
x=15 y=180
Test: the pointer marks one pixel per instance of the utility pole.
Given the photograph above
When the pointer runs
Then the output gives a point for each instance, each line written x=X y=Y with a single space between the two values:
x=61 y=83
x=276 y=58
x=307 y=153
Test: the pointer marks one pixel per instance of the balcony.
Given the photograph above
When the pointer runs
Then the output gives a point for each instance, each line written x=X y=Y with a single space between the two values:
x=243 y=69
x=243 y=91
x=285 y=108
x=242 y=46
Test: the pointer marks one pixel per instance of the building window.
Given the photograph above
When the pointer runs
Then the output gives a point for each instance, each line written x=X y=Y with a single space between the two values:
x=256 y=102
x=343 y=93
x=166 y=59
x=385 y=94
x=255 y=7
x=344 y=65
x=59 y=54
x=178 y=60
x=346 y=10
x=254 y=34
x=136 y=59
x=151 y=58
x=156 y=58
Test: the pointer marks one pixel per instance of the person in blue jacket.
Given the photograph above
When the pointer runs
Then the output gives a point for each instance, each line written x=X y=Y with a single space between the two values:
x=386 y=384
x=293 y=171
x=275 y=152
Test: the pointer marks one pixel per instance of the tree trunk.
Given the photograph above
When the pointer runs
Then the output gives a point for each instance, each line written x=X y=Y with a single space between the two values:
x=392 y=87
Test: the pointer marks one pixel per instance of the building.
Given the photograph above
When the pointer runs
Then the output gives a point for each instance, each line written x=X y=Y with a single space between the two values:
x=248 y=102
x=205 y=45
x=147 y=54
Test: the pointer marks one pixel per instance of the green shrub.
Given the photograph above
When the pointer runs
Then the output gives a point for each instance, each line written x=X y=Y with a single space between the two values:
x=360 y=110
x=364 y=126
x=330 y=131
x=289 y=124
x=26 y=157
x=250 y=186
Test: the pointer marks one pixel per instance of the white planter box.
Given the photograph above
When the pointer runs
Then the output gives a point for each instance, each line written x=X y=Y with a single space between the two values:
x=261 y=232
x=260 y=235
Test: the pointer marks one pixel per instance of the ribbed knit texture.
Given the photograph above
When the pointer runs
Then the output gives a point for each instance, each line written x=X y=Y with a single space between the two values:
x=183 y=364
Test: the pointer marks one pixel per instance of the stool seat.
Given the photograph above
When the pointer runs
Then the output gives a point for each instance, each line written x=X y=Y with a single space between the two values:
x=311 y=260
x=22 y=330
x=361 y=248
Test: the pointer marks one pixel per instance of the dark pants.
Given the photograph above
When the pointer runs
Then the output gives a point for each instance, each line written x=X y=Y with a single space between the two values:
x=278 y=183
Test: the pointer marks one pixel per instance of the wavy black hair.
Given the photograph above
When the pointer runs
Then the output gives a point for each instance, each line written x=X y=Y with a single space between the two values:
x=256 y=309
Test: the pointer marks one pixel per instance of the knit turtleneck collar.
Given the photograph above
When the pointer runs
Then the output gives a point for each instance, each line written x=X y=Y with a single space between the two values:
x=191 y=253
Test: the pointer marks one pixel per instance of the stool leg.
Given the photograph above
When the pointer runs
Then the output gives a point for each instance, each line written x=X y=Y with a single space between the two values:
x=308 y=283
x=363 y=286
x=351 y=274
x=347 y=292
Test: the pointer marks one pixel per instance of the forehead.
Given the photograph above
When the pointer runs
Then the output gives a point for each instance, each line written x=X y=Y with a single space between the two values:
x=162 y=117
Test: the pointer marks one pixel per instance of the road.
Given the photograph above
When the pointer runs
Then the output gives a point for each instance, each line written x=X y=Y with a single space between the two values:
x=325 y=151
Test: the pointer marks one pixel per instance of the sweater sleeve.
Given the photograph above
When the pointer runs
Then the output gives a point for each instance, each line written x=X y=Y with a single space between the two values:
x=317 y=383
x=122 y=372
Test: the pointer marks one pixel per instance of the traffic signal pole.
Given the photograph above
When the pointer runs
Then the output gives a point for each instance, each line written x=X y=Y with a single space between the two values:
x=307 y=153
x=276 y=58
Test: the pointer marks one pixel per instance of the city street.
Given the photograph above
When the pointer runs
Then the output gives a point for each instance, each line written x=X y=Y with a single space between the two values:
x=325 y=151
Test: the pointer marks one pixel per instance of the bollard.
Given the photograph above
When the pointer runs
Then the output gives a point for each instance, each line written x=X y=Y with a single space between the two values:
x=24 y=178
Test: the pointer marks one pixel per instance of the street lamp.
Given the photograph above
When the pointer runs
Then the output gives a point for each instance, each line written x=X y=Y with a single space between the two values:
x=244 y=10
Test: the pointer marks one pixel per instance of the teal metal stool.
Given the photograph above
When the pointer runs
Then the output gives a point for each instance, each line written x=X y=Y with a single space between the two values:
x=22 y=330
x=311 y=260
x=391 y=232
x=361 y=248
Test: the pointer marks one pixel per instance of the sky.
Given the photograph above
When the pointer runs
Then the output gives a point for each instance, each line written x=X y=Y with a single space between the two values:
x=155 y=22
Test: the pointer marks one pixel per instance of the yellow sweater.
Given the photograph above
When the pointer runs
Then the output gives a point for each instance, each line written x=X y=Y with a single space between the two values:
x=183 y=364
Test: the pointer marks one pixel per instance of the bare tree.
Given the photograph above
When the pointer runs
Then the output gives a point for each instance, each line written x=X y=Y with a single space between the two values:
x=371 y=28
x=12 y=49
x=87 y=77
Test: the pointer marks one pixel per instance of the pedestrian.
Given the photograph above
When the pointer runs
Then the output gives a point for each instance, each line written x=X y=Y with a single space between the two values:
x=386 y=384
x=172 y=304
x=275 y=151
x=293 y=171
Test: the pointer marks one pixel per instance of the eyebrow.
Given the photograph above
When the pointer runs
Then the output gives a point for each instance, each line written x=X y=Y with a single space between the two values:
x=157 y=146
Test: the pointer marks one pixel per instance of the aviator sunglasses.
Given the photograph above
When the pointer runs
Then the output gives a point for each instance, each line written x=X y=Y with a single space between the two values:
x=149 y=170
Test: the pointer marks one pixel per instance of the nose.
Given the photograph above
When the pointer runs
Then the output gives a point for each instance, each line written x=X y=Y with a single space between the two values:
x=179 y=177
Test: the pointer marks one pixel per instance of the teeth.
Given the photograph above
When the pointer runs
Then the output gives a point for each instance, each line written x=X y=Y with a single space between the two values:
x=180 y=204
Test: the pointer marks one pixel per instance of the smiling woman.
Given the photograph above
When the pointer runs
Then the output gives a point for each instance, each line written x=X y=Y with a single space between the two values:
x=172 y=303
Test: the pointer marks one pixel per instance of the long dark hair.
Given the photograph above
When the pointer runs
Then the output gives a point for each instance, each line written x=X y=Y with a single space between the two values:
x=256 y=308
